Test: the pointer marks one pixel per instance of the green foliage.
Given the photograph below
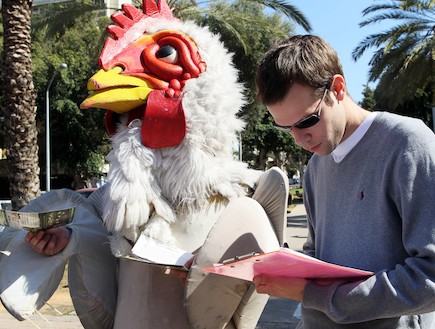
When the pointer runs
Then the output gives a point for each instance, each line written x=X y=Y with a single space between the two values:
x=256 y=32
x=419 y=107
x=191 y=9
x=78 y=138
x=403 y=64
x=2 y=128
x=73 y=35
x=56 y=17
x=404 y=60
x=368 y=102
x=296 y=192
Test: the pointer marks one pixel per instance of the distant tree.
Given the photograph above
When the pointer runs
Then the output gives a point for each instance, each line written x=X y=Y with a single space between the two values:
x=2 y=117
x=81 y=140
x=404 y=61
x=55 y=18
x=18 y=102
x=417 y=108
x=211 y=10
x=368 y=102
x=259 y=31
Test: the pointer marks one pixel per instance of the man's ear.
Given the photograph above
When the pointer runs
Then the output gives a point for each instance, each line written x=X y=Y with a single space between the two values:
x=339 y=87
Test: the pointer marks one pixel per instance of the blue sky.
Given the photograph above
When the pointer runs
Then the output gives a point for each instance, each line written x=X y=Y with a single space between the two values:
x=337 y=22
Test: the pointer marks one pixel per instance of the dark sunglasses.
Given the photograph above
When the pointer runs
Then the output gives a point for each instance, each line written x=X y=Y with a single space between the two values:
x=306 y=122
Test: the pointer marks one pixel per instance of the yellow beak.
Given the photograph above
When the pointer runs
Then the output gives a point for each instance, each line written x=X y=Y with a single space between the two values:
x=116 y=92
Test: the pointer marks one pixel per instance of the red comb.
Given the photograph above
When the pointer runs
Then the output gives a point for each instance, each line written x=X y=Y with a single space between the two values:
x=130 y=25
x=150 y=8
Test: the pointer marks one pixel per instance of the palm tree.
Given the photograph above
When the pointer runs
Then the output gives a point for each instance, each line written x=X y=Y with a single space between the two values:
x=404 y=60
x=232 y=23
x=185 y=8
x=57 y=17
x=18 y=103
x=19 y=95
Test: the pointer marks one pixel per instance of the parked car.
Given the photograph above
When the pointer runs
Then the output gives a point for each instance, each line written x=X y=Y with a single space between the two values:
x=86 y=192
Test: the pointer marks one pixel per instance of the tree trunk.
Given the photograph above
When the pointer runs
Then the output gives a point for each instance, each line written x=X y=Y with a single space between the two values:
x=19 y=104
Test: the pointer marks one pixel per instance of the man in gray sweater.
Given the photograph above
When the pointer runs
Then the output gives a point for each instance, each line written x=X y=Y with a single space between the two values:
x=369 y=192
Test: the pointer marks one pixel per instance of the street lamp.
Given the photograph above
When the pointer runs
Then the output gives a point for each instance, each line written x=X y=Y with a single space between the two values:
x=62 y=66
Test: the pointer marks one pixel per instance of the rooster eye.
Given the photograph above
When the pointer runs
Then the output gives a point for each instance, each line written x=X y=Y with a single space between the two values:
x=167 y=54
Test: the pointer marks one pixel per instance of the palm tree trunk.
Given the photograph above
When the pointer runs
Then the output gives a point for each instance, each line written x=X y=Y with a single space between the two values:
x=432 y=69
x=19 y=104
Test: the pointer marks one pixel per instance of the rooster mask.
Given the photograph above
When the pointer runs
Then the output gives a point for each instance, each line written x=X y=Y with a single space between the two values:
x=171 y=97
x=144 y=73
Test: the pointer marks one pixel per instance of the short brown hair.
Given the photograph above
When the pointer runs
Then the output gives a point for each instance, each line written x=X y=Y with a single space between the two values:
x=305 y=59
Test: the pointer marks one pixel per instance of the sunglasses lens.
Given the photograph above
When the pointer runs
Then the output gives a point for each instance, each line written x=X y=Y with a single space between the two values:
x=308 y=122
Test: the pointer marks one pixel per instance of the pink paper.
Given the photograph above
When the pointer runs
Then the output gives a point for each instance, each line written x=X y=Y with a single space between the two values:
x=286 y=263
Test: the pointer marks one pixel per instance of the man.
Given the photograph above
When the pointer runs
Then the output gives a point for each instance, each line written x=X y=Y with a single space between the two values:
x=368 y=190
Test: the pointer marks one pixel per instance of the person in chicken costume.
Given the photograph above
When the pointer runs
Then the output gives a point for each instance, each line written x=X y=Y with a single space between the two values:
x=171 y=95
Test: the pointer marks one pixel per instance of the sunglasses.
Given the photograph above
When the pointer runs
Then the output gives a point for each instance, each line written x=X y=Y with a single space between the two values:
x=306 y=122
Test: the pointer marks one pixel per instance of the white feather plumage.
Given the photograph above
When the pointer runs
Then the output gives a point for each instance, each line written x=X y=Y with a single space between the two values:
x=149 y=187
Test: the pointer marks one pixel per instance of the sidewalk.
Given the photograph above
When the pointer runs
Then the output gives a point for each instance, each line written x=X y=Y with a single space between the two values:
x=297 y=227
x=278 y=314
x=40 y=322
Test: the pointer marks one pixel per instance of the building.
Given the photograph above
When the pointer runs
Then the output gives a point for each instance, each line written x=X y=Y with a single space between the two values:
x=111 y=5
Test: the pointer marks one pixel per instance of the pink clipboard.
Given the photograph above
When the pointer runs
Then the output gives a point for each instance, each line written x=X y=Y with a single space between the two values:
x=286 y=263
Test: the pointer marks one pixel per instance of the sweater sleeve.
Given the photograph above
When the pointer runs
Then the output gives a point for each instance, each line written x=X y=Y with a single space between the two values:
x=409 y=287
x=309 y=247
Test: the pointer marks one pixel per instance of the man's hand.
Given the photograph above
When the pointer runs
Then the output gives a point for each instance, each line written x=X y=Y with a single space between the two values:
x=49 y=242
x=292 y=288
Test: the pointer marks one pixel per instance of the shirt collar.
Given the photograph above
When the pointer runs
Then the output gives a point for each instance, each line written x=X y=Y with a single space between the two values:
x=346 y=146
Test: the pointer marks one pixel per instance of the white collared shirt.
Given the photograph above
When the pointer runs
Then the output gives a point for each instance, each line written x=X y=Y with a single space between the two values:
x=345 y=147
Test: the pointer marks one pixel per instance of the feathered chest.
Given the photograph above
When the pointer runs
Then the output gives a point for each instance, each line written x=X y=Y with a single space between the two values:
x=167 y=195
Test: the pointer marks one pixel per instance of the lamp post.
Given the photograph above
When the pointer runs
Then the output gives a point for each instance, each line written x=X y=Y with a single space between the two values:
x=62 y=66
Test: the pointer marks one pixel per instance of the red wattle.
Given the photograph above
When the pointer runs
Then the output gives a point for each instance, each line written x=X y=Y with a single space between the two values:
x=164 y=123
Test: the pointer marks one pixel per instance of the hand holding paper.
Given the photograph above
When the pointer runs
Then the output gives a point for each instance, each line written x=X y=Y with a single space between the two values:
x=292 y=288
x=49 y=242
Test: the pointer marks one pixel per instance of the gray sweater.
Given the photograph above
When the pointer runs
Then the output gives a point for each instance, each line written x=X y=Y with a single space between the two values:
x=375 y=210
